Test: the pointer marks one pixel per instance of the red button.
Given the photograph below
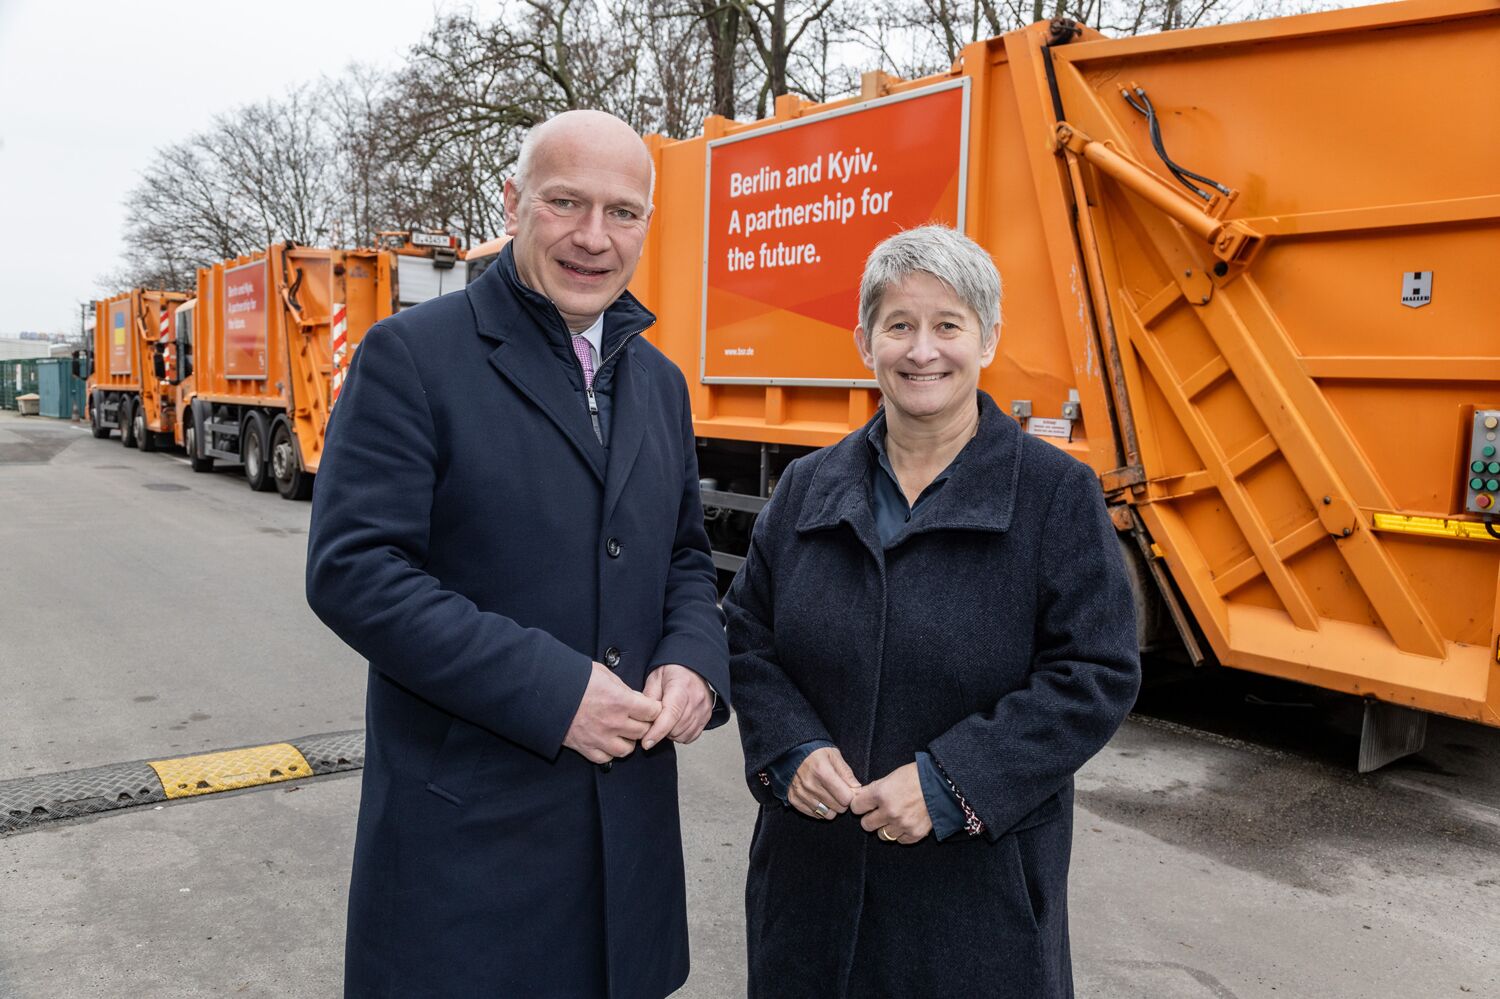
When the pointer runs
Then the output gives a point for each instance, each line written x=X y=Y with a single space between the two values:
x=1483 y=501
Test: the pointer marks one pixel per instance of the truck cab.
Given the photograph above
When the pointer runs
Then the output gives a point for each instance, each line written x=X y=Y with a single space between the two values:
x=428 y=264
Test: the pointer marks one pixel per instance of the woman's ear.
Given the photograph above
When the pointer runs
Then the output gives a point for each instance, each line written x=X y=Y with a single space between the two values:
x=988 y=354
x=862 y=344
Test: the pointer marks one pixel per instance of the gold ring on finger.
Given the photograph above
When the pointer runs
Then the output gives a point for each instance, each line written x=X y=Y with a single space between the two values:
x=885 y=834
x=821 y=809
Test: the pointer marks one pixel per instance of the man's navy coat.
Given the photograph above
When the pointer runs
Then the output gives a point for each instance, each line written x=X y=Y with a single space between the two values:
x=996 y=632
x=476 y=543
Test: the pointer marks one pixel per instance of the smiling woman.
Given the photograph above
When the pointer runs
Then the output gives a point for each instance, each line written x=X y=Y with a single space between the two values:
x=927 y=338
x=913 y=742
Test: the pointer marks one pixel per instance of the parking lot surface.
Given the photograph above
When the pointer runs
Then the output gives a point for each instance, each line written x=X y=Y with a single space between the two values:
x=1224 y=847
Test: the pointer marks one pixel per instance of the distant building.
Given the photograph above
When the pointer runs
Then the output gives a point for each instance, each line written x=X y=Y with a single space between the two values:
x=15 y=349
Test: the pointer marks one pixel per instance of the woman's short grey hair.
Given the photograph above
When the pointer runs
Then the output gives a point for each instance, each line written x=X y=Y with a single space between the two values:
x=946 y=254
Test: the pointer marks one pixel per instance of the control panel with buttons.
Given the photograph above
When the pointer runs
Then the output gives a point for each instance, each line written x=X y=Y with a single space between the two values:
x=1482 y=474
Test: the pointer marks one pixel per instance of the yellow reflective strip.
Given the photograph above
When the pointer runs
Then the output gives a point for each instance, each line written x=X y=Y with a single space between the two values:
x=212 y=772
x=1432 y=527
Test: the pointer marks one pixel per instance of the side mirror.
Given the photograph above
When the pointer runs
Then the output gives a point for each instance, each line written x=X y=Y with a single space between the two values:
x=159 y=362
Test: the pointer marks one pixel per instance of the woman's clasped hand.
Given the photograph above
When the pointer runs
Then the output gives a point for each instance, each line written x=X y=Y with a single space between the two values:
x=893 y=807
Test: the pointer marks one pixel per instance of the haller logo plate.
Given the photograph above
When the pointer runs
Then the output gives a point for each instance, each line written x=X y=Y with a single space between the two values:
x=1416 y=289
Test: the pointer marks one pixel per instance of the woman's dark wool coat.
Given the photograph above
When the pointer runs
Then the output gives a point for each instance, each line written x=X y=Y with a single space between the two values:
x=474 y=541
x=997 y=633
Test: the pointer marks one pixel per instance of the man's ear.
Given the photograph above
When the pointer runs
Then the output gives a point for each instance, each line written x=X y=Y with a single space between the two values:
x=512 y=206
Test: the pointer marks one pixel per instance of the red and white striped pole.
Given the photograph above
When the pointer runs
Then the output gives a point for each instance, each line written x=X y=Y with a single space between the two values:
x=340 y=333
x=169 y=365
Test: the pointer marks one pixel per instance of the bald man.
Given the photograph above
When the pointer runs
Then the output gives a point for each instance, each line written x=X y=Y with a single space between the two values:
x=507 y=525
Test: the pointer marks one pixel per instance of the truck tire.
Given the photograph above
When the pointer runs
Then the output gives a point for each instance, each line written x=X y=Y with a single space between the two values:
x=194 y=452
x=291 y=480
x=100 y=432
x=254 y=454
x=144 y=439
x=125 y=418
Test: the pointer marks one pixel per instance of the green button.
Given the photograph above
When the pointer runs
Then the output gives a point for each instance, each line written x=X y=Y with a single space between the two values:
x=1476 y=484
x=1491 y=485
x=1494 y=468
x=1489 y=451
x=1478 y=466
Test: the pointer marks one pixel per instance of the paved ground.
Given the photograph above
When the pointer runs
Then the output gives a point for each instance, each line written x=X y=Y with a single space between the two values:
x=1224 y=846
x=149 y=611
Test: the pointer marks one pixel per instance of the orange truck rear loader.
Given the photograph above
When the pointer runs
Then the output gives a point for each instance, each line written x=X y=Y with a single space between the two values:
x=260 y=354
x=127 y=390
x=1247 y=280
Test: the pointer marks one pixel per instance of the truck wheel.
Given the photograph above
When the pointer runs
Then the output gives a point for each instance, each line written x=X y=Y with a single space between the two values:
x=100 y=432
x=127 y=424
x=291 y=481
x=190 y=442
x=253 y=454
x=143 y=436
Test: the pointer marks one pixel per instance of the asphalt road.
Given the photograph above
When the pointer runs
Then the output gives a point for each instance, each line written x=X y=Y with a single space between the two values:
x=1224 y=845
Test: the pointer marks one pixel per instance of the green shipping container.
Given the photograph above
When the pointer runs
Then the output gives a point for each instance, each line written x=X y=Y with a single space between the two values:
x=59 y=389
x=17 y=377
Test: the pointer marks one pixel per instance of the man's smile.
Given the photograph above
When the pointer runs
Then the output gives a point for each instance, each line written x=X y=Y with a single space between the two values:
x=582 y=269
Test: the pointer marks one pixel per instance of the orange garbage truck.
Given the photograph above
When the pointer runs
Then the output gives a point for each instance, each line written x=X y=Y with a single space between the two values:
x=1246 y=276
x=259 y=355
x=127 y=391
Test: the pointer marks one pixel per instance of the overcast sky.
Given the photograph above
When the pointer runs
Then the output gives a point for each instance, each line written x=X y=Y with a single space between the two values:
x=89 y=88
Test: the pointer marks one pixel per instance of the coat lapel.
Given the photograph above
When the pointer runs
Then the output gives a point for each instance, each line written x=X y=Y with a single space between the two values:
x=980 y=494
x=632 y=396
x=537 y=375
x=519 y=321
x=840 y=493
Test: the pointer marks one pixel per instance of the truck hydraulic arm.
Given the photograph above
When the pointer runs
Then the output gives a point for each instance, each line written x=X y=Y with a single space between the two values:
x=1233 y=242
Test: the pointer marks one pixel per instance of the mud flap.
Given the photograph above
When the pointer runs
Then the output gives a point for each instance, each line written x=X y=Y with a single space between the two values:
x=1389 y=733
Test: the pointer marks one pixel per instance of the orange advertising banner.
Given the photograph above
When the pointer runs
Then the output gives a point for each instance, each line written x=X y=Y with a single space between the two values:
x=120 y=332
x=794 y=209
x=245 y=321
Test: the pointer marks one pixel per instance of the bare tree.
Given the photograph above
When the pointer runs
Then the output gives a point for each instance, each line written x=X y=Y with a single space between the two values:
x=721 y=27
x=276 y=159
x=430 y=145
x=355 y=110
x=181 y=216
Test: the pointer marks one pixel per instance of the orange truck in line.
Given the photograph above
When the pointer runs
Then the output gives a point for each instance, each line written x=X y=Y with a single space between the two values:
x=259 y=355
x=1247 y=280
x=257 y=358
x=127 y=390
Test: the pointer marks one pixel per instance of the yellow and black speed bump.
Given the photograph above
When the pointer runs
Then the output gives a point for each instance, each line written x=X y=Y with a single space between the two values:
x=31 y=801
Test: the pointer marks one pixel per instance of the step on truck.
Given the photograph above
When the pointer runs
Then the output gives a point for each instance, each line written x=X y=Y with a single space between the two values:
x=1247 y=278
x=126 y=388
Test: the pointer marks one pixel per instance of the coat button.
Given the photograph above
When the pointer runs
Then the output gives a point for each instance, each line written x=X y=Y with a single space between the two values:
x=614 y=547
x=611 y=657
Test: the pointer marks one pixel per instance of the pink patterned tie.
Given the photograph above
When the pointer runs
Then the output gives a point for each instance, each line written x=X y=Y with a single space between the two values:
x=585 y=358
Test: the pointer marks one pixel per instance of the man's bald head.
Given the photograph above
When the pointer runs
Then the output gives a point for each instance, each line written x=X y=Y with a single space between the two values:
x=578 y=206
x=599 y=130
